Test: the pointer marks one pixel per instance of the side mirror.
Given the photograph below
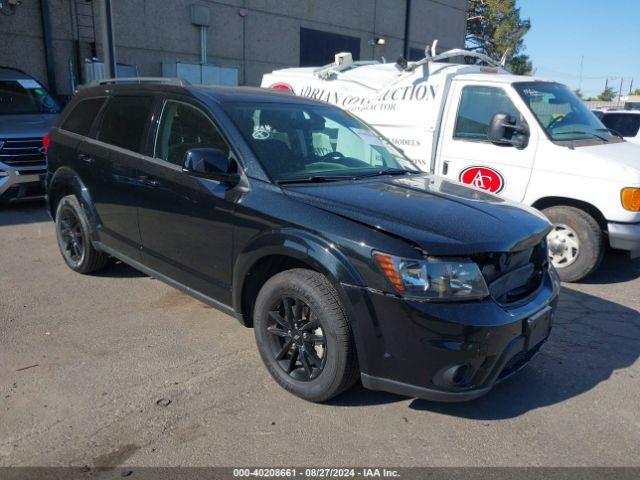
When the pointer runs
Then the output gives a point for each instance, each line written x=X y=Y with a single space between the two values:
x=503 y=130
x=211 y=163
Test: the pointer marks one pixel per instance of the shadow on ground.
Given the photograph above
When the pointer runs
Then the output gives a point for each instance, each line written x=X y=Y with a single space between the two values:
x=616 y=267
x=23 y=213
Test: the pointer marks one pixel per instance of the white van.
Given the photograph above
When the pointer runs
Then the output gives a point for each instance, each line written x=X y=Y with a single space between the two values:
x=528 y=140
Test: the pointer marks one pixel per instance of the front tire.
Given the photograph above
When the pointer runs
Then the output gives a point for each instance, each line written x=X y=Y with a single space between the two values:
x=303 y=335
x=74 y=237
x=576 y=243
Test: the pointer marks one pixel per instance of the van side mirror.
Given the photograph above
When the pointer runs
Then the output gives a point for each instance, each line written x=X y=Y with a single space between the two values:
x=503 y=130
x=211 y=163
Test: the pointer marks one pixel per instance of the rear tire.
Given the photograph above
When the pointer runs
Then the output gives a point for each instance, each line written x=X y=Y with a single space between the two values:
x=576 y=244
x=74 y=237
x=298 y=320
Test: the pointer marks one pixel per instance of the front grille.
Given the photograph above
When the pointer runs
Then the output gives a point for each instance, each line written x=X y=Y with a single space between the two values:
x=514 y=276
x=22 y=153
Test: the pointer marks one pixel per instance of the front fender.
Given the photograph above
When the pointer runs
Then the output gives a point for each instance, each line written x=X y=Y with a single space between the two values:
x=66 y=181
x=301 y=245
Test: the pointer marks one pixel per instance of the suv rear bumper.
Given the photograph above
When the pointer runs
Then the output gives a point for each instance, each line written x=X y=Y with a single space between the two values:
x=447 y=351
x=18 y=185
x=625 y=236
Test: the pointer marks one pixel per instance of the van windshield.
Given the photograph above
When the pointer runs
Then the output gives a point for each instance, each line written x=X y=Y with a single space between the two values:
x=561 y=113
x=25 y=96
x=297 y=142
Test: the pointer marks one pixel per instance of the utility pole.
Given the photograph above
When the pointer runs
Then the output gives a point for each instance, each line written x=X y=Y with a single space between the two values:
x=581 y=64
x=407 y=29
x=620 y=91
x=108 y=43
x=631 y=87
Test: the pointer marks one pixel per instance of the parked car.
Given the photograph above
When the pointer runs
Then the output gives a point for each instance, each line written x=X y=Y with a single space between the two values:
x=623 y=122
x=523 y=138
x=306 y=224
x=27 y=112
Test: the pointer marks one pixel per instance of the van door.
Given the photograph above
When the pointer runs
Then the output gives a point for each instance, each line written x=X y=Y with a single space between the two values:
x=465 y=154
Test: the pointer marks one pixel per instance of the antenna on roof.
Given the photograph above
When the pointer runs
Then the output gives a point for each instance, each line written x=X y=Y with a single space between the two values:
x=433 y=47
x=503 y=60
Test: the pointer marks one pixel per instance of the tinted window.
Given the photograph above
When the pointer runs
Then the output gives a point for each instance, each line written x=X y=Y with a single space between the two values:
x=319 y=48
x=183 y=127
x=82 y=116
x=25 y=96
x=124 y=121
x=478 y=105
x=626 y=124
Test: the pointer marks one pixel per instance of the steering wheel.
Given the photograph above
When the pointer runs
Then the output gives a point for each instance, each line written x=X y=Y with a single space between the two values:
x=561 y=119
x=330 y=155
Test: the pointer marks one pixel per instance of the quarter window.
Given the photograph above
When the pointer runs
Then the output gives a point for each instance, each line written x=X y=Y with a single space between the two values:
x=82 y=116
x=626 y=124
x=183 y=127
x=124 y=122
x=478 y=105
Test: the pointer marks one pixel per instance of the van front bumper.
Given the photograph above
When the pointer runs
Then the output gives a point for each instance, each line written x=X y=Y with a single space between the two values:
x=447 y=351
x=625 y=236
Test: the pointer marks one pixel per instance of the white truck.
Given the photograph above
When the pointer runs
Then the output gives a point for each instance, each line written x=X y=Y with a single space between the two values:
x=529 y=140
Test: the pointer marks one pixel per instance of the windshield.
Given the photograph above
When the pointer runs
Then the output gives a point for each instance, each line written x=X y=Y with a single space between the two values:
x=561 y=113
x=314 y=142
x=25 y=96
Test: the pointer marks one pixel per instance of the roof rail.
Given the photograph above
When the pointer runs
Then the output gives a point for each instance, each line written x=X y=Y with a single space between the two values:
x=140 y=80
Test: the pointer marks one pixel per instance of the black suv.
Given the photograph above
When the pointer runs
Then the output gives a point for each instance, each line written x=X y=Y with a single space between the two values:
x=304 y=223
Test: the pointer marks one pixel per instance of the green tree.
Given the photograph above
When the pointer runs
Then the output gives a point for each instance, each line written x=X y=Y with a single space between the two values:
x=494 y=27
x=607 y=95
x=636 y=92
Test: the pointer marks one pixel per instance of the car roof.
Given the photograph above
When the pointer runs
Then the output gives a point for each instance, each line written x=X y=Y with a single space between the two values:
x=217 y=94
x=10 y=73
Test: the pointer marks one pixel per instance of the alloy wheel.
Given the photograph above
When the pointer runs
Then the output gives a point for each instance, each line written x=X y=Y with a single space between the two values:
x=298 y=343
x=72 y=236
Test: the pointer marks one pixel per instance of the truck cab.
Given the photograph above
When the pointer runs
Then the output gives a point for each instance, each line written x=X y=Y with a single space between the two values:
x=528 y=140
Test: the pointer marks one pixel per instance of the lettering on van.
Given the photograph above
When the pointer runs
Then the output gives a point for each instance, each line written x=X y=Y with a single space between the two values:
x=484 y=178
x=382 y=101
x=405 y=142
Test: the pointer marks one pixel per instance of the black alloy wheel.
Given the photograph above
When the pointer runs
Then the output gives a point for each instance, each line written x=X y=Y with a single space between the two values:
x=72 y=245
x=297 y=341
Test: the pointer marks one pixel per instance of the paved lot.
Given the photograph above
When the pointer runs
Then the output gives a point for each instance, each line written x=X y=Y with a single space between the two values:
x=85 y=359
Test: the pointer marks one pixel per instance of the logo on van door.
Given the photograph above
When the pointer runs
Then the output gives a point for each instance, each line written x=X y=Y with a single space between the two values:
x=483 y=177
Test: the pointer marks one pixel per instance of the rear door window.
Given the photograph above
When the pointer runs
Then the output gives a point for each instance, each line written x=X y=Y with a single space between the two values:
x=478 y=105
x=83 y=115
x=124 y=121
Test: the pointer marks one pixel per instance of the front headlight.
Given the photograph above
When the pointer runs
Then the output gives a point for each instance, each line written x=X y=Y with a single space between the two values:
x=433 y=279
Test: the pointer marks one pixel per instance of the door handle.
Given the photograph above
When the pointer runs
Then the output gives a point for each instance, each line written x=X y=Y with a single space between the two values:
x=83 y=157
x=149 y=181
x=445 y=168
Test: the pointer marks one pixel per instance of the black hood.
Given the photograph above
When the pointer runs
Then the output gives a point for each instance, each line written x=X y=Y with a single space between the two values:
x=440 y=216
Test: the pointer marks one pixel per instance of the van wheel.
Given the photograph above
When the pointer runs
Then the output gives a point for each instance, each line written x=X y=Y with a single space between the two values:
x=303 y=335
x=576 y=245
x=74 y=239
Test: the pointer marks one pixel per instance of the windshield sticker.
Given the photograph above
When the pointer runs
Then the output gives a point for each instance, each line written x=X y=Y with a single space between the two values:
x=261 y=132
x=368 y=137
x=29 y=83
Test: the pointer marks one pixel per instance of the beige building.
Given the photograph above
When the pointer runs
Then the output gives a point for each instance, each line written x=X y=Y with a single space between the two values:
x=246 y=37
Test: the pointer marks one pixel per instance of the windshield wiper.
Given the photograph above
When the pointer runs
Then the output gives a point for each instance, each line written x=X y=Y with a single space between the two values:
x=316 y=179
x=581 y=132
x=388 y=171
x=611 y=130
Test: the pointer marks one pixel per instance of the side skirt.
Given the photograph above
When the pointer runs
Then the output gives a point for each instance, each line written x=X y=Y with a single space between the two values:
x=169 y=281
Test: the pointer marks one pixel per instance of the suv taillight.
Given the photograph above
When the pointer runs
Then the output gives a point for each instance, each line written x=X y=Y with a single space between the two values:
x=46 y=141
x=282 y=86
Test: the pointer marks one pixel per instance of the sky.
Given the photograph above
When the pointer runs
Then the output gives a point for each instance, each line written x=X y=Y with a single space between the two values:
x=606 y=33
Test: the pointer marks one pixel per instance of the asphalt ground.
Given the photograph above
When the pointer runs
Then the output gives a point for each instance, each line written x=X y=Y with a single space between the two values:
x=117 y=368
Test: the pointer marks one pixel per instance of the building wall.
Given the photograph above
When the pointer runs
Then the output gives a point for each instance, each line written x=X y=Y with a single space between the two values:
x=149 y=32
